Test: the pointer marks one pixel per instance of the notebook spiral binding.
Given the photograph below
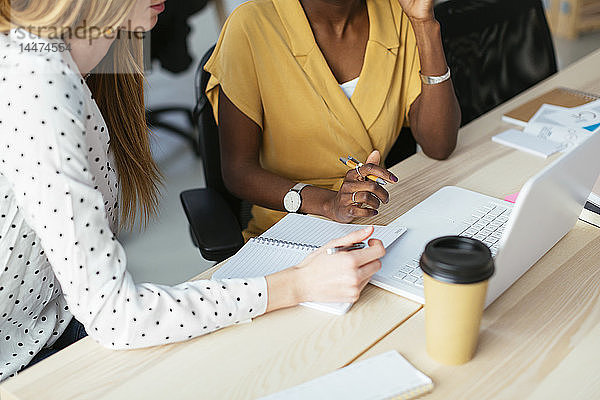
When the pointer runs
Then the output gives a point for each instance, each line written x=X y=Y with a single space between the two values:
x=586 y=95
x=284 y=243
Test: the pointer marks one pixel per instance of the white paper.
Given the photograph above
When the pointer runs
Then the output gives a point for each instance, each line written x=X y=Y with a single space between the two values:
x=519 y=140
x=567 y=126
x=553 y=129
x=585 y=117
x=561 y=135
x=380 y=377
x=547 y=115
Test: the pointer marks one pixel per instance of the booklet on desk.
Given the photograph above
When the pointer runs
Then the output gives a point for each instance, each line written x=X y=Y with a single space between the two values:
x=288 y=242
x=528 y=143
x=386 y=376
x=562 y=97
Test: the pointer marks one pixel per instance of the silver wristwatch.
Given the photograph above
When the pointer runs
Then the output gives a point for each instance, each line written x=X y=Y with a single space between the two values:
x=292 y=200
x=435 y=80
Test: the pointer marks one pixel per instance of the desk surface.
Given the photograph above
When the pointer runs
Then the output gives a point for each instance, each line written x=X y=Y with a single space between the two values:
x=540 y=340
x=532 y=340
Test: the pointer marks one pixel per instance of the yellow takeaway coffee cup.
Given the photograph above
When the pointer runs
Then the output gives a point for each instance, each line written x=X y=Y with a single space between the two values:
x=456 y=271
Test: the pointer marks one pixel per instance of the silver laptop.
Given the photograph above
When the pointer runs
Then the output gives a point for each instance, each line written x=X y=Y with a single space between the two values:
x=518 y=235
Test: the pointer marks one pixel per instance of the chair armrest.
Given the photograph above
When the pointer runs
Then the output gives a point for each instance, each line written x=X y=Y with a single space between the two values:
x=213 y=224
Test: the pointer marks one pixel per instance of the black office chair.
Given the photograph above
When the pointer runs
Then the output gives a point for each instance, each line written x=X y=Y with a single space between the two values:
x=496 y=49
x=216 y=217
x=168 y=45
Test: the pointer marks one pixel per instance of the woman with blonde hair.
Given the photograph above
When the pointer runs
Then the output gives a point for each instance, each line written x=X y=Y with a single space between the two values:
x=75 y=165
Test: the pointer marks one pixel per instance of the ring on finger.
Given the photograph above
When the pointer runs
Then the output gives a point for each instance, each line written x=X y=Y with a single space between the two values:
x=354 y=198
x=360 y=176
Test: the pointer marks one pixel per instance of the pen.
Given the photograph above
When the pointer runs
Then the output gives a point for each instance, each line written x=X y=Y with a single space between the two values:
x=354 y=246
x=353 y=162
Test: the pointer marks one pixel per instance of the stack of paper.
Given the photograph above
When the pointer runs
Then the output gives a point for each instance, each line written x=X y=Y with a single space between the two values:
x=554 y=129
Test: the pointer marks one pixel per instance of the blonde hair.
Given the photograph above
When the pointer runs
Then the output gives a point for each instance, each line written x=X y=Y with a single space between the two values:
x=117 y=84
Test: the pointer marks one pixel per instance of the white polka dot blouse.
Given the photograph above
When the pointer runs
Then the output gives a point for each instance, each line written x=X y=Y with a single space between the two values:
x=58 y=215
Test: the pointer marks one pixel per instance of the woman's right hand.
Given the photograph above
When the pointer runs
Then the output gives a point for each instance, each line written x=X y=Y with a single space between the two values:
x=360 y=197
x=339 y=277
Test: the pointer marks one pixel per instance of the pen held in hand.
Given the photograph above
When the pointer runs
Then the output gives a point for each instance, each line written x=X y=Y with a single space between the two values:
x=352 y=163
x=354 y=246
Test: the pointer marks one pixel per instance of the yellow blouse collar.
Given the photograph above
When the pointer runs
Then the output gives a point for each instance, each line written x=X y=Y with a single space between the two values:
x=383 y=29
x=359 y=113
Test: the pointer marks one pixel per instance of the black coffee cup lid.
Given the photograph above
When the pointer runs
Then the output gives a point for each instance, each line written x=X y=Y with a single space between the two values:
x=457 y=259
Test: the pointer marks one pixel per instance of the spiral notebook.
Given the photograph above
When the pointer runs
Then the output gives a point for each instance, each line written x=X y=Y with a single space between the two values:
x=562 y=97
x=288 y=242
x=386 y=376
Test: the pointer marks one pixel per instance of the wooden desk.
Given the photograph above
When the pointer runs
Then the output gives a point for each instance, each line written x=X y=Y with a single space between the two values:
x=291 y=346
x=276 y=351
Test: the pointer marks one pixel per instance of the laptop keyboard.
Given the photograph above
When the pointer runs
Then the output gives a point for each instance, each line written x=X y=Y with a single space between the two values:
x=410 y=273
x=486 y=224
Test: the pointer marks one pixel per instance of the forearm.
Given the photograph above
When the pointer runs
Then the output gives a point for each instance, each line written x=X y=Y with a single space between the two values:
x=268 y=189
x=435 y=115
x=243 y=174
x=283 y=289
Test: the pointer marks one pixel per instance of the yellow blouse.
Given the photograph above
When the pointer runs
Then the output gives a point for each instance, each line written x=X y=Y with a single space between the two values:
x=269 y=65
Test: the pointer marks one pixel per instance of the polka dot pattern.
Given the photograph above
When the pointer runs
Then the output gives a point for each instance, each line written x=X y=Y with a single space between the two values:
x=58 y=217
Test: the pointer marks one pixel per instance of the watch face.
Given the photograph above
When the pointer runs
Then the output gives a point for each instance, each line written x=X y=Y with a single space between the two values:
x=292 y=201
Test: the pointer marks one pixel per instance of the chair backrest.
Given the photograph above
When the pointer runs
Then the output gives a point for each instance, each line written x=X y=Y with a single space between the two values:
x=210 y=149
x=496 y=49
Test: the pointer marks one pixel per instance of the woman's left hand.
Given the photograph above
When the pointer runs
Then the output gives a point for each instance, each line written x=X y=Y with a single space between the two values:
x=418 y=10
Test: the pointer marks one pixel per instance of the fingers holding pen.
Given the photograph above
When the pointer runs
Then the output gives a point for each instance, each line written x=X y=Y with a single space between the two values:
x=369 y=170
x=373 y=252
x=372 y=170
x=339 y=276
x=363 y=189
x=357 y=199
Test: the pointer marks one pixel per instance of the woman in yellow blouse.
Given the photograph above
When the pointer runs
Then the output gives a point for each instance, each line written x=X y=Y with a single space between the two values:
x=295 y=84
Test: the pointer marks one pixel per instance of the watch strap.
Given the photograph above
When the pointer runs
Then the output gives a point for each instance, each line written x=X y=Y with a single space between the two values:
x=299 y=186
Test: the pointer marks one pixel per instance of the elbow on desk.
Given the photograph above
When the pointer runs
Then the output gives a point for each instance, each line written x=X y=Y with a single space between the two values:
x=438 y=147
x=111 y=345
x=440 y=153
x=119 y=342
x=107 y=342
